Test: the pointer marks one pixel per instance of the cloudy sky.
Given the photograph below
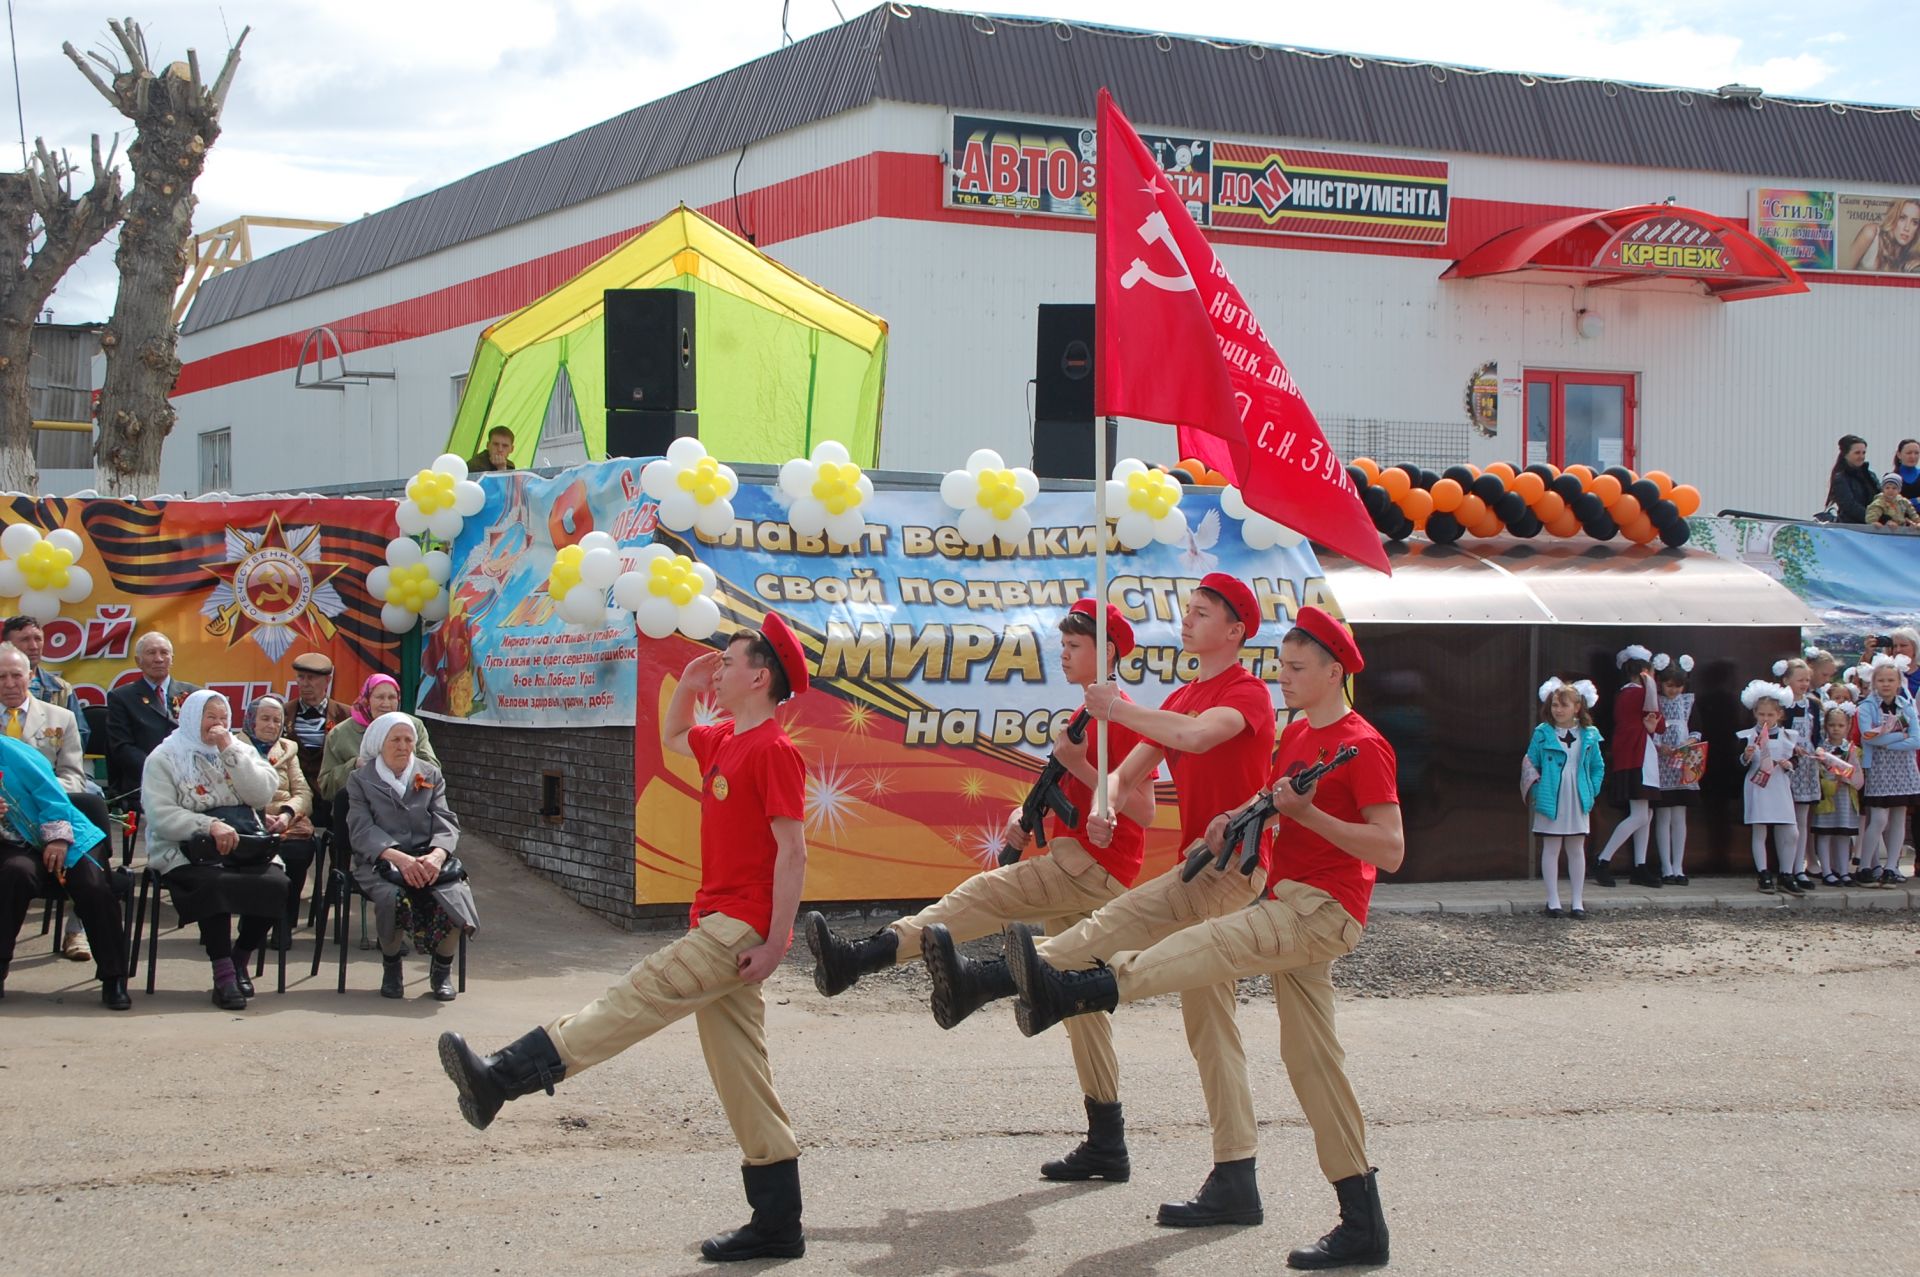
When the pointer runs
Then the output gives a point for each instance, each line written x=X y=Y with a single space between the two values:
x=343 y=107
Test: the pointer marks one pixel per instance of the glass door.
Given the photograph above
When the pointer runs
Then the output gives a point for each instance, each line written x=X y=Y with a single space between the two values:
x=1580 y=418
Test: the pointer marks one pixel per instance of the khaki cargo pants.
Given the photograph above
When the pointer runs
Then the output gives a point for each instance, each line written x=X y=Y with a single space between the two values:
x=696 y=975
x=1059 y=889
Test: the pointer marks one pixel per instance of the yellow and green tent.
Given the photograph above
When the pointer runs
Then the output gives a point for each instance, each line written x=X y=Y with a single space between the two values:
x=782 y=363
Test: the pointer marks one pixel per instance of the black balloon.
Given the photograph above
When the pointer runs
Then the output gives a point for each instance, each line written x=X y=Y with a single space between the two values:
x=1645 y=491
x=1376 y=500
x=1602 y=528
x=1443 y=529
x=1511 y=508
x=1426 y=480
x=1527 y=525
x=1676 y=534
x=1359 y=478
x=1489 y=488
x=1542 y=469
x=1401 y=530
x=1568 y=486
x=1624 y=475
x=1459 y=474
x=1587 y=507
x=1663 y=513
x=1181 y=476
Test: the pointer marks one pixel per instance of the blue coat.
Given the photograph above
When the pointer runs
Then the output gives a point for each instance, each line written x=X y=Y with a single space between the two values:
x=35 y=801
x=1870 y=716
x=1549 y=758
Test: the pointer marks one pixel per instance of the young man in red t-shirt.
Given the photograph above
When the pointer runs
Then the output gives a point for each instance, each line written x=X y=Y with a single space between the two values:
x=1076 y=876
x=1327 y=846
x=753 y=859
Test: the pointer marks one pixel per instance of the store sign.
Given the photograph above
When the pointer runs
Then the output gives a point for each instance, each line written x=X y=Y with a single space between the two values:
x=1667 y=246
x=1023 y=166
x=1840 y=230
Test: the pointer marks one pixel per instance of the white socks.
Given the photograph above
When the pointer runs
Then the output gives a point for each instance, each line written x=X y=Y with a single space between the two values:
x=1670 y=836
x=1785 y=844
x=1637 y=825
x=1575 y=846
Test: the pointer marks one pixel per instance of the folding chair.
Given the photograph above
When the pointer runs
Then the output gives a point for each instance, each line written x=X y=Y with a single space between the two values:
x=341 y=889
x=147 y=915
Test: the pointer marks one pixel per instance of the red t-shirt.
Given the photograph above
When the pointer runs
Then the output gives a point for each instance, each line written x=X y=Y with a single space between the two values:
x=1232 y=771
x=1123 y=855
x=745 y=782
x=1301 y=855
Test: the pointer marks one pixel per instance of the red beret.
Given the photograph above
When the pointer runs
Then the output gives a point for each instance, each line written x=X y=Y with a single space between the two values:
x=1246 y=609
x=1119 y=633
x=786 y=646
x=1330 y=634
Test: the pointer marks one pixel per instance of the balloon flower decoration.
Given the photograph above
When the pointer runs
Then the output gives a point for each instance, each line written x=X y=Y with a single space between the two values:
x=581 y=576
x=440 y=499
x=1256 y=529
x=1463 y=500
x=40 y=570
x=991 y=498
x=412 y=586
x=693 y=489
x=827 y=490
x=668 y=592
x=1144 y=505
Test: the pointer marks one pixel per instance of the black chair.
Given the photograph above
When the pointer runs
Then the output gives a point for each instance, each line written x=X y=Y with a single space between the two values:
x=341 y=889
x=53 y=912
x=146 y=914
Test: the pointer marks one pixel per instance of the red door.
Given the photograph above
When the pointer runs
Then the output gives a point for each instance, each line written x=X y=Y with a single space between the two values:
x=1580 y=418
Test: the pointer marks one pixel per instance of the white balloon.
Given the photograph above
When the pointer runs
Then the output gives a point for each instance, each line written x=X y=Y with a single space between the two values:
x=447 y=463
x=377 y=582
x=584 y=605
x=469 y=498
x=1116 y=498
x=708 y=581
x=404 y=552
x=12 y=580
x=1134 y=529
x=41 y=605
x=732 y=480
x=808 y=517
x=445 y=524
x=677 y=510
x=714 y=518
x=19 y=538
x=597 y=540
x=959 y=489
x=831 y=450
x=1232 y=504
x=79 y=585
x=1285 y=536
x=1027 y=481
x=439 y=565
x=66 y=539
x=685 y=451
x=647 y=553
x=1258 y=533
x=1128 y=465
x=797 y=476
x=866 y=487
x=984 y=459
x=1172 y=529
x=396 y=618
x=408 y=518
x=657 y=617
x=846 y=526
x=700 y=618
x=657 y=479
x=598 y=568
x=435 y=608
x=629 y=588
x=976 y=525
x=1014 y=528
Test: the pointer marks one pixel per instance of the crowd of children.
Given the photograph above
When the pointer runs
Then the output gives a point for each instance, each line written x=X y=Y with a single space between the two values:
x=1831 y=767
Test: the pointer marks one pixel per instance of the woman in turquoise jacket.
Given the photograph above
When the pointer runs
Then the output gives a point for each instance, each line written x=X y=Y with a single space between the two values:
x=1564 y=771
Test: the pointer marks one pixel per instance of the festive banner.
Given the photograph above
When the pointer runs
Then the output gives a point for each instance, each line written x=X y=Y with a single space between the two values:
x=1858 y=581
x=1840 y=230
x=240 y=587
x=937 y=684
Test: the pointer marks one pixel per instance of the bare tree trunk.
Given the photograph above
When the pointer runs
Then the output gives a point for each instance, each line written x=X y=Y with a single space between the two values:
x=44 y=230
x=176 y=118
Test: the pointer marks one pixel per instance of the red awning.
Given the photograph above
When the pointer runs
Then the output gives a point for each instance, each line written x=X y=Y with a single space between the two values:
x=1639 y=245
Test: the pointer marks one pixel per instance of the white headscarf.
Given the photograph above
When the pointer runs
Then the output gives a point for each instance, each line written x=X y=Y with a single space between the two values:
x=375 y=740
x=185 y=744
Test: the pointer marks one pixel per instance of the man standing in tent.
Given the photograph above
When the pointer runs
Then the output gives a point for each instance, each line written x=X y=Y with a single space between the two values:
x=497 y=455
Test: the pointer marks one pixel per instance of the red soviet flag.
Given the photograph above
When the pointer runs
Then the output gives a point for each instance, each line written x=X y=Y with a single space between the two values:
x=1176 y=343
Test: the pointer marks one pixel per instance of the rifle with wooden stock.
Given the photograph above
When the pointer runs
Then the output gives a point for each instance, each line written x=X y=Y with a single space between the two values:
x=1245 y=830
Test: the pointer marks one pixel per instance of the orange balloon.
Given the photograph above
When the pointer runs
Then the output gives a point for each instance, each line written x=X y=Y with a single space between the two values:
x=1606 y=487
x=1583 y=474
x=1530 y=486
x=1447 y=496
x=1475 y=469
x=1661 y=480
x=1470 y=510
x=1641 y=532
x=1550 y=506
x=1625 y=509
x=1504 y=470
x=1395 y=481
x=1417 y=504
x=1420 y=523
x=1368 y=468
x=1489 y=526
x=1686 y=498
x=1214 y=479
x=1567 y=525
x=1191 y=468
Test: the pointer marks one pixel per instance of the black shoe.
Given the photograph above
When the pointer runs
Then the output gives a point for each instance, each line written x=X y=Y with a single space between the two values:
x=838 y=964
x=1644 y=876
x=113 y=995
x=1891 y=878
x=229 y=998
x=243 y=981
x=1847 y=880
x=1671 y=880
x=1578 y=915
x=393 y=978
x=1766 y=881
x=1230 y=1196
x=1361 y=1235
x=774 y=1231
x=1603 y=873
x=1831 y=880
x=961 y=985
x=1553 y=913
x=1806 y=882
x=440 y=979
x=1679 y=880
x=1047 y=995
x=1790 y=885
x=1102 y=1155
x=485 y=1083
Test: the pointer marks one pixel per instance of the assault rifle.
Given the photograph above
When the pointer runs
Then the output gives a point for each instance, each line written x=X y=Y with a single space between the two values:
x=1245 y=830
x=1046 y=796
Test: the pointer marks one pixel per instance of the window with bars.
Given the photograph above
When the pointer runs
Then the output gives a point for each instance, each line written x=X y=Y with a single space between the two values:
x=216 y=461
x=562 y=421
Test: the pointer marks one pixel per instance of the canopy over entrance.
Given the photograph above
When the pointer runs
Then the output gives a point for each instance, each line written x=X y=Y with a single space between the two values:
x=1642 y=245
x=782 y=364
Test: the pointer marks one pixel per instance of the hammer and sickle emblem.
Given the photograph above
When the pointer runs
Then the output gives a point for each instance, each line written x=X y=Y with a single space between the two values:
x=274 y=587
x=1155 y=230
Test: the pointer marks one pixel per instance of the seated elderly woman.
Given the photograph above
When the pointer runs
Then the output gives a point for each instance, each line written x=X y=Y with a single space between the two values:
x=341 y=755
x=44 y=840
x=398 y=814
x=290 y=812
x=201 y=790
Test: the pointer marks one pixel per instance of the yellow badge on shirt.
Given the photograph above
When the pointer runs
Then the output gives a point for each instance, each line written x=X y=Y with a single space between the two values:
x=720 y=788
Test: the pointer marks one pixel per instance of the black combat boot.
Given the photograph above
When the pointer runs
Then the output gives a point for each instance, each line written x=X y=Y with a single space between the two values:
x=1102 y=1155
x=486 y=1082
x=774 y=1231
x=1230 y=1196
x=838 y=964
x=1048 y=995
x=440 y=979
x=961 y=985
x=1361 y=1235
x=393 y=977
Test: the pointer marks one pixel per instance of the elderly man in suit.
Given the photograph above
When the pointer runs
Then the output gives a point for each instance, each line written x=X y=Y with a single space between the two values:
x=144 y=712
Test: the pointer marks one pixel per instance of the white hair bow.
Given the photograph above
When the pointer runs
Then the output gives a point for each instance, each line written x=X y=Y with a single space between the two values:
x=1631 y=652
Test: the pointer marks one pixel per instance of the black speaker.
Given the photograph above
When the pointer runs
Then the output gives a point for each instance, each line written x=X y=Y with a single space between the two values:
x=650 y=355
x=1063 y=364
x=1064 y=449
x=647 y=434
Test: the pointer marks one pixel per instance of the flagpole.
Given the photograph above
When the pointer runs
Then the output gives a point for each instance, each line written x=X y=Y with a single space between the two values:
x=1100 y=795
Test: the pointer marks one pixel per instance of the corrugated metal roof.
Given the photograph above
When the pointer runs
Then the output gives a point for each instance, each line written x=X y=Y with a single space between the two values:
x=1026 y=67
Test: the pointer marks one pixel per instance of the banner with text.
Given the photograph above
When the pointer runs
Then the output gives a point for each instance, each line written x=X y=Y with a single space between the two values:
x=1840 y=230
x=1858 y=580
x=938 y=685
